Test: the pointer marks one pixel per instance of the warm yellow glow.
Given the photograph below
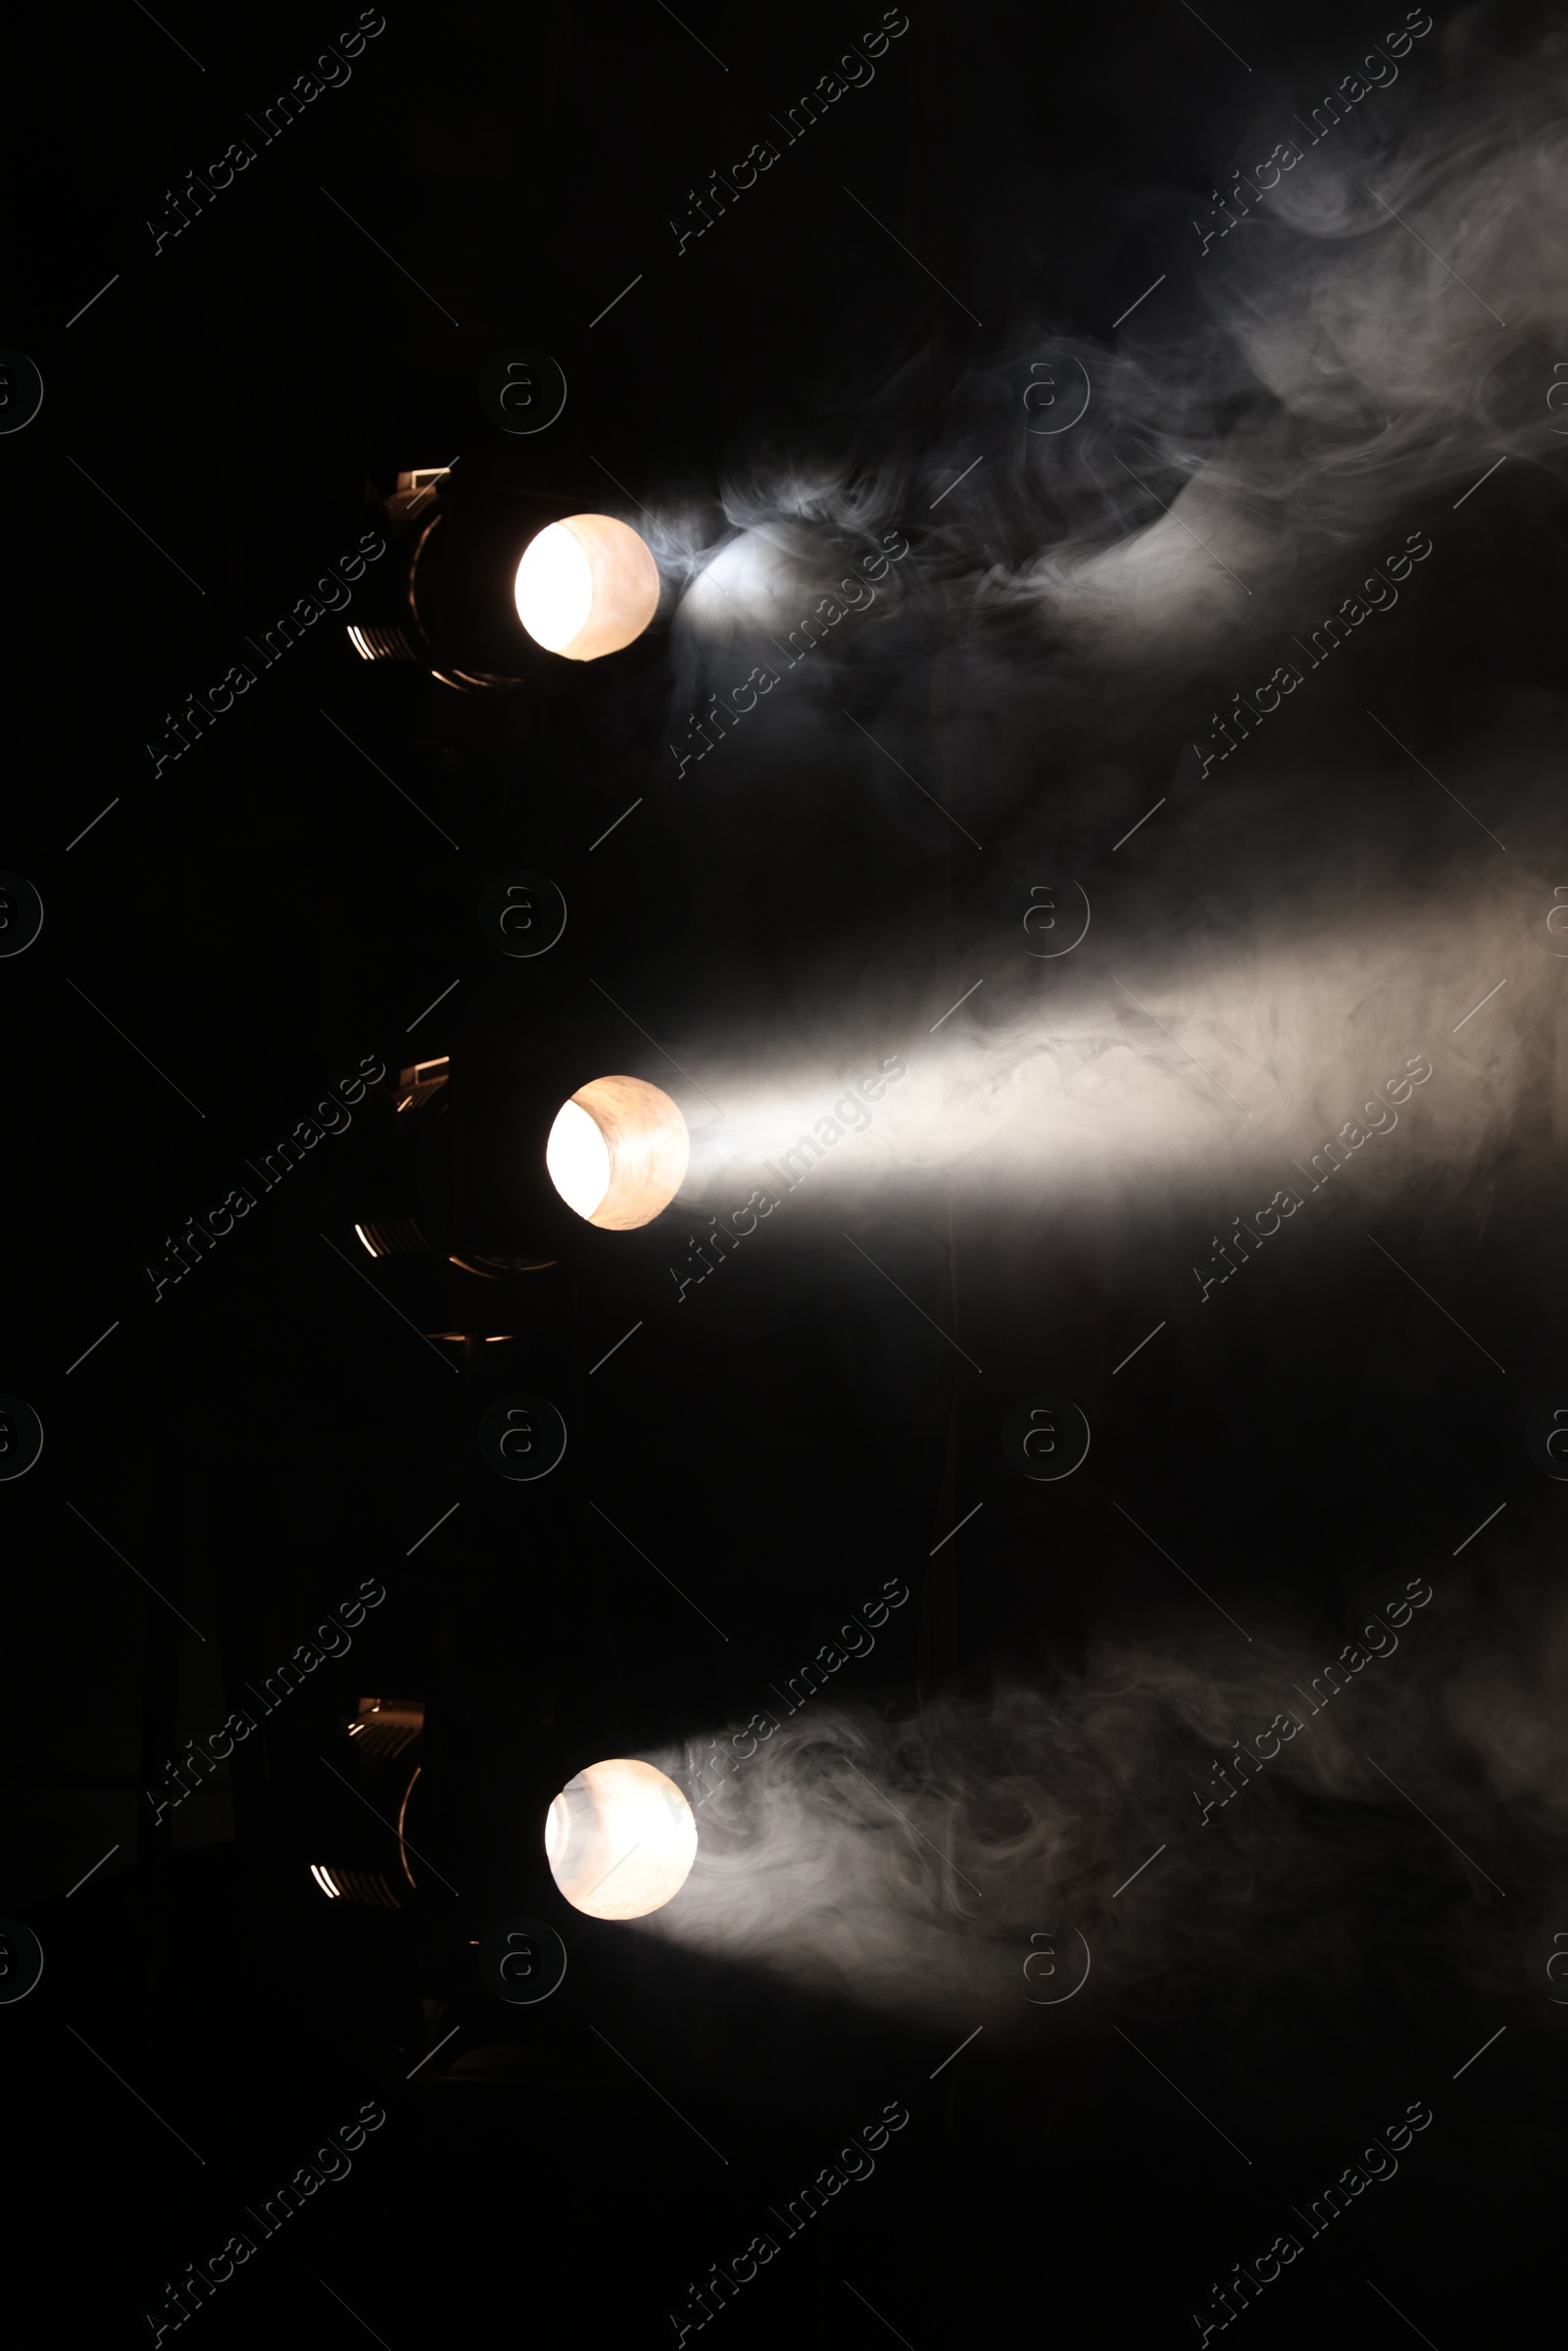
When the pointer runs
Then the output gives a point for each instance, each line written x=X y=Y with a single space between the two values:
x=586 y=586
x=617 y=1152
x=621 y=1839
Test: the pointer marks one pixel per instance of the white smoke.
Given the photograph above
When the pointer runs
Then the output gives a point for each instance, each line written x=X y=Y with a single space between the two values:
x=1232 y=1059
x=1381 y=326
x=916 y=1864
x=1383 y=330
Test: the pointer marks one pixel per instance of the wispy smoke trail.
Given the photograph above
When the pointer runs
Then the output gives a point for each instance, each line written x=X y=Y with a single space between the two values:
x=1379 y=325
x=1077 y=611
x=1379 y=329
x=906 y=1864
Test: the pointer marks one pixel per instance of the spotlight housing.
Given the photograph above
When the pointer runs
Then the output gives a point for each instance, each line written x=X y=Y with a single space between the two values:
x=491 y=589
x=381 y=1748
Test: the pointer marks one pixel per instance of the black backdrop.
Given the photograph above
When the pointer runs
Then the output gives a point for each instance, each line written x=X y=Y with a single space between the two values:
x=248 y=921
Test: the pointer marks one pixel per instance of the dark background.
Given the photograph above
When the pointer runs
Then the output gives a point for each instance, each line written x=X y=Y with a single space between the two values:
x=266 y=911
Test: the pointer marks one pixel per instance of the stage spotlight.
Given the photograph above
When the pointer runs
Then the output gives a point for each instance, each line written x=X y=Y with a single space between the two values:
x=490 y=587
x=586 y=586
x=617 y=1152
x=621 y=1839
x=467 y=1194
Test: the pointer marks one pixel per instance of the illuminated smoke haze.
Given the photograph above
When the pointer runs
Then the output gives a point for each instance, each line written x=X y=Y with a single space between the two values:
x=904 y=1862
x=1297 y=925
x=1297 y=932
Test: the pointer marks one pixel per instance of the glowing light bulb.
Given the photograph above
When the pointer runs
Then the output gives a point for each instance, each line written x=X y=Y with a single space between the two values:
x=586 y=586
x=554 y=588
x=621 y=1839
x=578 y=1159
x=617 y=1152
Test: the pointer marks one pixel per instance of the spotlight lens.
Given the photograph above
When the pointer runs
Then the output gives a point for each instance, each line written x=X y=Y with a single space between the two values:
x=586 y=586
x=621 y=1839
x=578 y=1159
x=617 y=1152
